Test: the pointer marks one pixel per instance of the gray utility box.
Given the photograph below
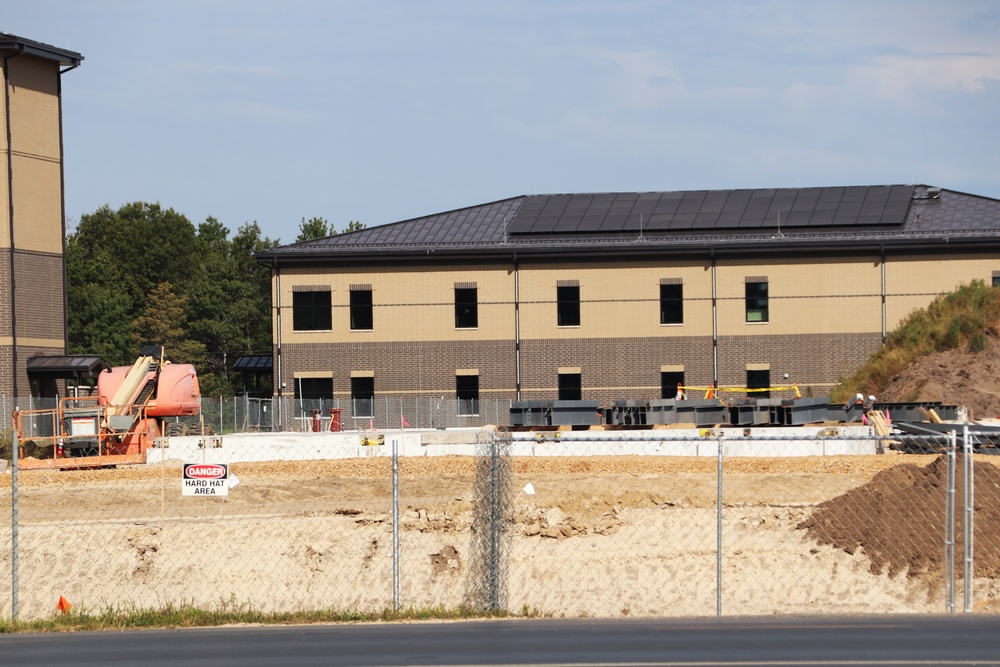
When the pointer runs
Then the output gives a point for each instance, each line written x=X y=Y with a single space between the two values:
x=576 y=413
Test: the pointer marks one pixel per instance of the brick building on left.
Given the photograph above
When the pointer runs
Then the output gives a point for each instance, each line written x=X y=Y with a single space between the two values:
x=32 y=209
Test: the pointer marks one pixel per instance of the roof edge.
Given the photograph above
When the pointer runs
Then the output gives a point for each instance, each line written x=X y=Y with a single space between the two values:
x=40 y=50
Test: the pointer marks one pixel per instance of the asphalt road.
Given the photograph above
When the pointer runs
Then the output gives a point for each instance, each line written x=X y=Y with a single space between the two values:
x=924 y=640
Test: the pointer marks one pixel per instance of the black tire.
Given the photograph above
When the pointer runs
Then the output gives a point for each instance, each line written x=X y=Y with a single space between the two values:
x=175 y=429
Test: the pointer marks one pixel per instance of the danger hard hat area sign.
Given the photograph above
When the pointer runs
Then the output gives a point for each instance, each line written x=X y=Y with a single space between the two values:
x=205 y=479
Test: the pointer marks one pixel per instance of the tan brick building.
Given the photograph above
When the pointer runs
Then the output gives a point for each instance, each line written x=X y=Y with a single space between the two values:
x=32 y=228
x=621 y=295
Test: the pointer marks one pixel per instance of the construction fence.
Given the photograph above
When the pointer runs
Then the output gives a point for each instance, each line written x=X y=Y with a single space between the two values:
x=573 y=524
x=248 y=414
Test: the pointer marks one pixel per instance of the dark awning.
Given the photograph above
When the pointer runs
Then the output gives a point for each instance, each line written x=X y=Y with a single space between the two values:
x=78 y=366
x=259 y=364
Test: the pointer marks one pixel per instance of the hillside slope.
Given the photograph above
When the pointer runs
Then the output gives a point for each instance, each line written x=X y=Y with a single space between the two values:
x=953 y=377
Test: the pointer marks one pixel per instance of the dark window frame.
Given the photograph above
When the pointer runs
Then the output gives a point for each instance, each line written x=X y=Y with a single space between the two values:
x=312 y=311
x=467 y=395
x=570 y=386
x=671 y=303
x=760 y=379
x=312 y=389
x=362 y=315
x=568 y=305
x=757 y=302
x=466 y=308
x=363 y=396
x=669 y=381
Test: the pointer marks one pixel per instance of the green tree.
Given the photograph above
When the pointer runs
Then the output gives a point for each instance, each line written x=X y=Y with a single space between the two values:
x=314 y=228
x=163 y=321
x=355 y=226
x=143 y=274
x=230 y=303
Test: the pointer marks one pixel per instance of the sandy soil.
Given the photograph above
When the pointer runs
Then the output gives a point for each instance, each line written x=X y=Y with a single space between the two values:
x=953 y=377
x=602 y=536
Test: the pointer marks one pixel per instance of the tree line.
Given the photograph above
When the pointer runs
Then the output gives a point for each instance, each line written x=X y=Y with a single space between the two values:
x=143 y=275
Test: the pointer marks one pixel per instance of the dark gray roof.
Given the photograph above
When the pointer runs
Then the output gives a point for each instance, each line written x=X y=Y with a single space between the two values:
x=259 y=364
x=80 y=366
x=65 y=57
x=698 y=221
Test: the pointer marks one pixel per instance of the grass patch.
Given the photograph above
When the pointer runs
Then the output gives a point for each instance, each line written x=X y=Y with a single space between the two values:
x=962 y=319
x=185 y=616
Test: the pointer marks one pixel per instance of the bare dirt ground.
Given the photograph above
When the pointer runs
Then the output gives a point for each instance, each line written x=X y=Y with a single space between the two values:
x=601 y=536
x=954 y=377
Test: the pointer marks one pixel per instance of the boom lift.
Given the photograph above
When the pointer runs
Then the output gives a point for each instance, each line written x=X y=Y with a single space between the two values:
x=115 y=426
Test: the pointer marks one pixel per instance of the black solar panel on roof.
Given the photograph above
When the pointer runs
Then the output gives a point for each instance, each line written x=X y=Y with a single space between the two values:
x=712 y=209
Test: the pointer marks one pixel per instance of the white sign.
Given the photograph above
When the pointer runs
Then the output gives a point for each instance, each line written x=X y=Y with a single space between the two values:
x=205 y=479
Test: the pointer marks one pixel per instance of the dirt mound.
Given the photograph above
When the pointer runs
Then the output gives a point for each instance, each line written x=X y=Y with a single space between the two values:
x=897 y=519
x=953 y=377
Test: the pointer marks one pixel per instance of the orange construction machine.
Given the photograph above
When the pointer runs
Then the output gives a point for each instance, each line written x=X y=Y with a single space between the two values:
x=118 y=423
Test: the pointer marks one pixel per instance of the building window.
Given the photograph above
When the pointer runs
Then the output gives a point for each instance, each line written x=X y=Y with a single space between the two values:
x=311 y=311
x=570 y=387
x=467 y=392
x=466 y=308
x=568 y=305
x=361 y=309
x=758 y=380
x=669 y=381
x=363 y=396
x=312 y=389
x=996 y=278
x=671 y=303
x=756 y=300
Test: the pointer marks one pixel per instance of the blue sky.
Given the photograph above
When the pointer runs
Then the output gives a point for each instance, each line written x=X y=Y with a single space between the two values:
x=382 y=111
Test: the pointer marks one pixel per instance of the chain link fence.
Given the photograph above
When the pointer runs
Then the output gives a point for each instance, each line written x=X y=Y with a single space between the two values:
x=574 y=523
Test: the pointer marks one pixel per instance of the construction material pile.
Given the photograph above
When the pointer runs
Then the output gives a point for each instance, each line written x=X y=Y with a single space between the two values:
x=898 y=519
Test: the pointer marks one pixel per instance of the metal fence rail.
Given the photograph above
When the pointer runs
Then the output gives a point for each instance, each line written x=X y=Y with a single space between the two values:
x=579 y=524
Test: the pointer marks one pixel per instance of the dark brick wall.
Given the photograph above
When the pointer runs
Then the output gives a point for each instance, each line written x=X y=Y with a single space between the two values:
x=40 y=313
x=610 y=368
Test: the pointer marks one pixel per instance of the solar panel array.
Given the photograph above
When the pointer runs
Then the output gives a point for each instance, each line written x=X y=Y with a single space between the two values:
x=695 y=210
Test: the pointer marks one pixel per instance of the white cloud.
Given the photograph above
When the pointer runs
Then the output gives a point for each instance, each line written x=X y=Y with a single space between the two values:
x=904 y=77
x=641 y=79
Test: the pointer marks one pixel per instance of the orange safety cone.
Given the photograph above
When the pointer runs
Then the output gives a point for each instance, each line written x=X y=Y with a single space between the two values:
x=711 y=390
x=64 y=605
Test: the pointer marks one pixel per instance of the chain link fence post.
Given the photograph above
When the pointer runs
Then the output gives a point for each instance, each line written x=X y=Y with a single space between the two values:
x=718 y=526
x=949 y=523
x=15 y=455
x=491 y=522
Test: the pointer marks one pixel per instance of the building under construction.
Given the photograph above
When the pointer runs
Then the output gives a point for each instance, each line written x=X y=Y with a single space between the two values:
x=621 y=296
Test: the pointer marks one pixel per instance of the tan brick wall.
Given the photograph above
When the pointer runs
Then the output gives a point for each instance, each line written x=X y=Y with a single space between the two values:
x=804 y=296
x=408 y=304
x=37 y=205
x=912 y=282
x=615 y=300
